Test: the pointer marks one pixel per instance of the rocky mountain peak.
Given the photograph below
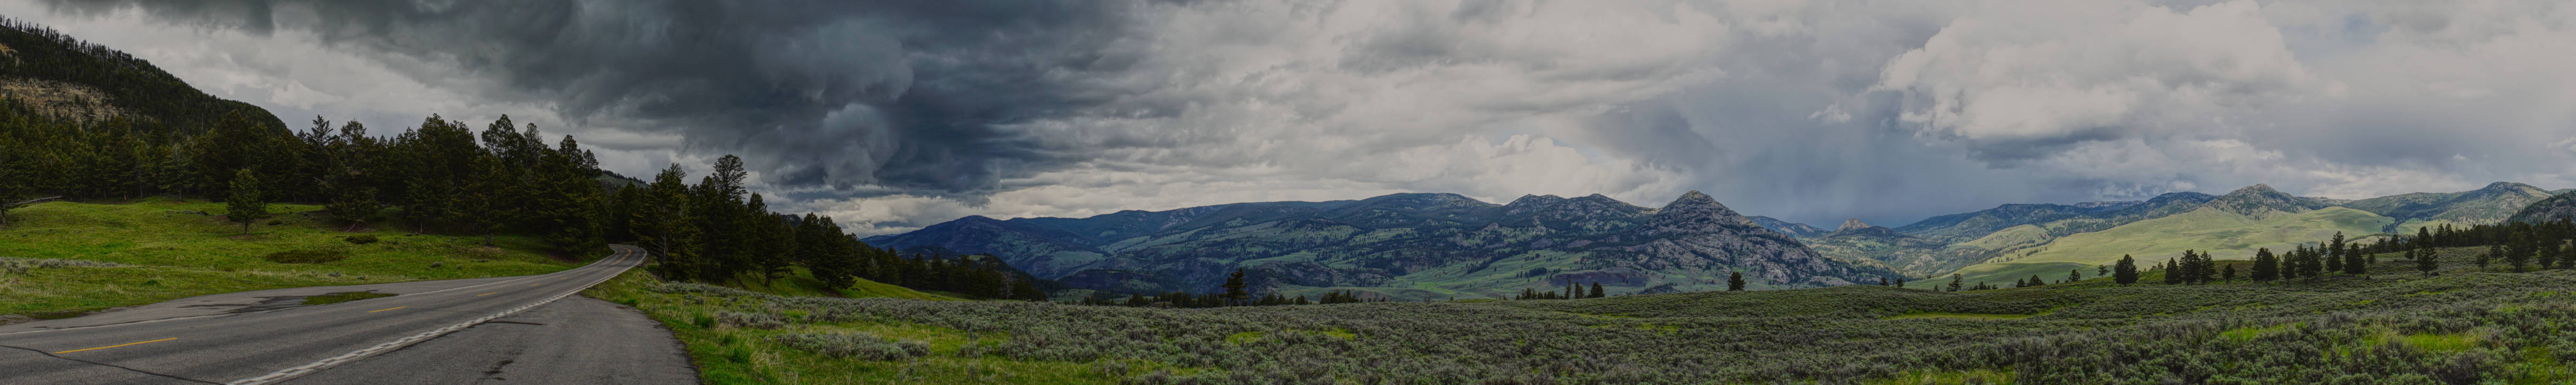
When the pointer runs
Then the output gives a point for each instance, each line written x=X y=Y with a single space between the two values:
x=1695 y=206
x=1852 y=224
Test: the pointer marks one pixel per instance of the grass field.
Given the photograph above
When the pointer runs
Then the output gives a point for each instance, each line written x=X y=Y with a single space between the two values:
x=2463 y=327
x=99 y=256
x=2223 y=234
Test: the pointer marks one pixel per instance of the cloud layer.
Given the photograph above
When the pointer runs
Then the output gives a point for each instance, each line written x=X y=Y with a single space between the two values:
x=900 y=114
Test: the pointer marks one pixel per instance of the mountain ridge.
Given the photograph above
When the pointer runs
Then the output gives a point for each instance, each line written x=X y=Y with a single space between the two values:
x=1415 y=245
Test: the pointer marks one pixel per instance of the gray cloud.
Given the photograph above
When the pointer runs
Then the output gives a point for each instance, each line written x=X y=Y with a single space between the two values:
x=823 y=93
x=893 y=115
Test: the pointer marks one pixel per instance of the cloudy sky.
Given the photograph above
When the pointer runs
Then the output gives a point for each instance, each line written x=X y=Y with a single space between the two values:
x=899 y=114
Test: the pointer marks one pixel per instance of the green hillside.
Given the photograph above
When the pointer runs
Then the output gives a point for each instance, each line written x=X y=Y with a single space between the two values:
x=2461 y=327
x=2223 y=233
x=66 y=258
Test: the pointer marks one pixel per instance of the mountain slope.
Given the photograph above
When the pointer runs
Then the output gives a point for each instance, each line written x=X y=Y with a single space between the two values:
x=2561 y=207
x=1793 y=229
x=1405 y=246
x=2229 y=227
x=2492 y=204
x=54 y=74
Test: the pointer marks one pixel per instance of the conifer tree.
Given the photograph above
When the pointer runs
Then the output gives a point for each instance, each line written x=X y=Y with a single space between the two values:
x=2073 y=275
x=1735 y=281
x=2354 y=262
x=1596 y=290
x=1234 y=294
x=2267 y=267
x=2228 y=275
x=242 y=203
x=2334 y=258
x=2126 y=271
x=1956 y=280
x=2519 y=248
x=2425 y=260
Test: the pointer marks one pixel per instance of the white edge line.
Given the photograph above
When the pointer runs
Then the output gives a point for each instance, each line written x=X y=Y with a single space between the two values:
x=291 y=308
x=327 y=363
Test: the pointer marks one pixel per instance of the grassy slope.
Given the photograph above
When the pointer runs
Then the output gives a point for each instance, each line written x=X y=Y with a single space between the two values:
x=2462 y=327
x=169 y=255
x=2221 y=233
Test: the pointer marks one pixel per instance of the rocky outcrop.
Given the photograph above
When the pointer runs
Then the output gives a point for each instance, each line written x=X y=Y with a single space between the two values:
x=1793 y=229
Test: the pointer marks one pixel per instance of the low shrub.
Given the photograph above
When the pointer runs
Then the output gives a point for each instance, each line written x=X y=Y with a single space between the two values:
x=854 y=345
x=361 y=239
x=308 y=256
x=749 y=320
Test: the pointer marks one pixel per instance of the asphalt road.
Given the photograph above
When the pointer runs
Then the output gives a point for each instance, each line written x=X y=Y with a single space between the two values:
x=531 y=329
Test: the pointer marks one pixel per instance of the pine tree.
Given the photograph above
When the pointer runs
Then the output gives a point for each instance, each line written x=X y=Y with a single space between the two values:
x=1234 y=294
x=2126 y=271
x=2425 y=260
x=2520 y=248
x=2334 y=258
x=1596 y=290
x=242 y=203
x=2354 y=261
x=2267 y=267
x=1735 y=281
x=1956 y=280
x=2228 y=275
x=2073 y=275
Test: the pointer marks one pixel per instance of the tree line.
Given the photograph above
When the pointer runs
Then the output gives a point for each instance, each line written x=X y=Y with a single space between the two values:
x=446 y=177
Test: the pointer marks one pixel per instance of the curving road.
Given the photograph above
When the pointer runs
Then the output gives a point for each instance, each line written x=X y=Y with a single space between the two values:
x=493 y=330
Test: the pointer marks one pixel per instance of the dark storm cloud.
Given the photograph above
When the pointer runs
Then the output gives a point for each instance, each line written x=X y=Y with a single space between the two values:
x=899 y=94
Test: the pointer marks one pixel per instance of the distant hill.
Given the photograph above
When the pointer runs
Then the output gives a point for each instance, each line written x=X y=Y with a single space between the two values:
x=2561 y=207
x=1793 y=229
x=1864 y=243
x=54 y=74
x=2231 y=227
x=2060 y=219
x=1407 y=246
x=2489 y=205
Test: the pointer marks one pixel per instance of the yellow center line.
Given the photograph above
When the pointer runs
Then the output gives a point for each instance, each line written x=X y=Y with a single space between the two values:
x=485 y=294
x=396 y=307
x=115 y=346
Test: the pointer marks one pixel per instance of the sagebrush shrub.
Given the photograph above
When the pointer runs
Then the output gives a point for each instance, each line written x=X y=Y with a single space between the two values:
x=855 y=345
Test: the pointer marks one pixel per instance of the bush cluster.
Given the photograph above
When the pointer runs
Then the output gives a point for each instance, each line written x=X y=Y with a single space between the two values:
x=854 y=345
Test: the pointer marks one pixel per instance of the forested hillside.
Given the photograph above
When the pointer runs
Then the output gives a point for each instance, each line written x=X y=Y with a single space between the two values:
x=148 y=134
x=45 y=72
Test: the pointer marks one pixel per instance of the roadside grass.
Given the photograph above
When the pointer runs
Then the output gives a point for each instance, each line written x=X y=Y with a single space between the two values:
x=729 y=353
x=167 y=251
